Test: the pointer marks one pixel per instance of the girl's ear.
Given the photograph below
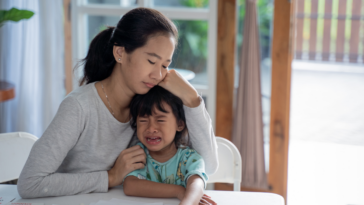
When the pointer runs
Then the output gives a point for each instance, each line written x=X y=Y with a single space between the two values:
x=180 y=126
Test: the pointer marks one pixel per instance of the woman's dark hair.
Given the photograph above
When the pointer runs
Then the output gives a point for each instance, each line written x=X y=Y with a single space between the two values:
x=143 y=105
x=132 y=32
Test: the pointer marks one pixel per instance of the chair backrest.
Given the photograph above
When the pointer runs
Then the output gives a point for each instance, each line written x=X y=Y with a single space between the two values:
x=229 y=170
x=14 y=151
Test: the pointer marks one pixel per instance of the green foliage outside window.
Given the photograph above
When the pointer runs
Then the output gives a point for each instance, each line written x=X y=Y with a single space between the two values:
x=195 y=3
x=192 y=51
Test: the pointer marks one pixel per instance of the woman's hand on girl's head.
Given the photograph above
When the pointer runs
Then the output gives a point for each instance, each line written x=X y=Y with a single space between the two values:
x=176 y=84
x=129 y=160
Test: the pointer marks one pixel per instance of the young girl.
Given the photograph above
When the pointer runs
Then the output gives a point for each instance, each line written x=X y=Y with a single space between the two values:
x=172 y=169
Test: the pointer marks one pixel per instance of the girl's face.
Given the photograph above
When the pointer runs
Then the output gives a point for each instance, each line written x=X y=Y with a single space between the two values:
x=146 y=66
x=158 y=130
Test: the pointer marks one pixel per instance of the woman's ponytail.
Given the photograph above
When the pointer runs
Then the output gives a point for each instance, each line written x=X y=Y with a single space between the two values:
x=99 y=62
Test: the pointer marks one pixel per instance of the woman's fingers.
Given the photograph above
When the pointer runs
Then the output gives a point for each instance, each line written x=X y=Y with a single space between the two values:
x=132 y=149
x=135 y=160
x=138 y=166
x=131 y=154
x=134 y=153
x=129 y=160
x=180 y=87
x=139 y=158
x=206 y=196
x=172 y=79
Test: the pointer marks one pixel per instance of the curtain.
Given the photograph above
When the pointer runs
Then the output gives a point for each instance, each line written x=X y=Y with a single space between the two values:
x=248 y=120
x=32 y=58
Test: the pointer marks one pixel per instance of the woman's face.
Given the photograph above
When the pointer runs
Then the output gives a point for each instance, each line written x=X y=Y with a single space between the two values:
x=146 y=66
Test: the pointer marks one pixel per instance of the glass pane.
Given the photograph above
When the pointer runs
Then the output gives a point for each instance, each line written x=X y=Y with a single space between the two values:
x=326 y=112
x=96 y=24
x=123 y=3
x=190 y=55
x=182 y=3
x=191 y=52
x=265 y=15
x=205 y=100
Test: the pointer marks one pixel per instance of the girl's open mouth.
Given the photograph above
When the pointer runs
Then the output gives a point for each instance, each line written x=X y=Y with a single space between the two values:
x=153 y=140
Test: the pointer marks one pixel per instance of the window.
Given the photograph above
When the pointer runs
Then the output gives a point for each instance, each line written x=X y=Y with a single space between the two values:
x=196 y=21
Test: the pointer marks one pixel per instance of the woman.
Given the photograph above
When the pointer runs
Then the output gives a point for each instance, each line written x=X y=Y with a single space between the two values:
x=84 y=149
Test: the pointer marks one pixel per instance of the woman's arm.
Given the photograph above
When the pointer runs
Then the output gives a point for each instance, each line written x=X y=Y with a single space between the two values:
x=39 y=178
x=198 y=120
x=145 y=188
x=202 y=135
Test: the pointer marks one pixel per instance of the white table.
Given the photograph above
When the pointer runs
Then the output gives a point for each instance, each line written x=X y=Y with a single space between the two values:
x=220 y=197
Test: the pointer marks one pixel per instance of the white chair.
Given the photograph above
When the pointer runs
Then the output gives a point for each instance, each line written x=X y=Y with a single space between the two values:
x=229 y=170
x=14 y=151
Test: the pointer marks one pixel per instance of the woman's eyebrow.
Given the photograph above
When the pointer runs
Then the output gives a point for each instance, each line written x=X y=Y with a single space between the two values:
x=157 y=56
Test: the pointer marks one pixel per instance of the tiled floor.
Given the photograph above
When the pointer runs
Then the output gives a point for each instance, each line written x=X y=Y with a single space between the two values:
x=326 y=153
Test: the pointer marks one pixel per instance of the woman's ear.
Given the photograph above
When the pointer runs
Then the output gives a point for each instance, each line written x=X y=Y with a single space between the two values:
x=180 y=126
x=118 y=52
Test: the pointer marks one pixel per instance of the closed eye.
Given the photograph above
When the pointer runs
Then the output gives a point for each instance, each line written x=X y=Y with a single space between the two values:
x=161 y=120
x=142 y=120
x=151 y=62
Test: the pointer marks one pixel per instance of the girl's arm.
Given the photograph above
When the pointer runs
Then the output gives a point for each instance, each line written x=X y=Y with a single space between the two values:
x=194 y=190
x=145 y=188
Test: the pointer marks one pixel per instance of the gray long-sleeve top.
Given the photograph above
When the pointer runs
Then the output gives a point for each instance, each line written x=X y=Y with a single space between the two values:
x=83 y=141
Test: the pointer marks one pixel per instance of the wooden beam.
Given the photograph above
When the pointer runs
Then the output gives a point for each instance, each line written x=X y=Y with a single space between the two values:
x=283 y=33
x=230 y=187
x=67 y=45
x=225 y=67
x=313 y=31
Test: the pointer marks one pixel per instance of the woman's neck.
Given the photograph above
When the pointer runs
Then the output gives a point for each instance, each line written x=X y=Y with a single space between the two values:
x=118 y=95
x=164 y=154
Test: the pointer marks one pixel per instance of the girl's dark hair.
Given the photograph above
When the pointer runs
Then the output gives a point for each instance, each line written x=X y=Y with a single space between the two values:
x=143 y=105
x=132 y=31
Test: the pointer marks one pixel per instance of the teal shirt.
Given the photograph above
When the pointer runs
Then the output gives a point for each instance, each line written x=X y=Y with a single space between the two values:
x=185 y=163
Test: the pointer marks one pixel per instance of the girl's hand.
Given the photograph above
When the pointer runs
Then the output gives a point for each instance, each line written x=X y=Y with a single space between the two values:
x=207 y=200
x=129 y=160
x=176 y=84
x=204 y=200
